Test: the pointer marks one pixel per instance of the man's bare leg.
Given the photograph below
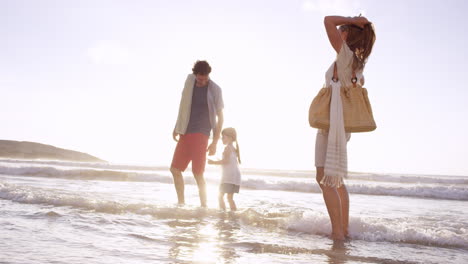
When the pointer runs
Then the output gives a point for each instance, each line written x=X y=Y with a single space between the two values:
x=179 y=184
x=201 y=188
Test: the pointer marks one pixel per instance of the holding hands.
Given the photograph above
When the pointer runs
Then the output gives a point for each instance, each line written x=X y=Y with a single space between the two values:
x=215 y=162
x=211 y=149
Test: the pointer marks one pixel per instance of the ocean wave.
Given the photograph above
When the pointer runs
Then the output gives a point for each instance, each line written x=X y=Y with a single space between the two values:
x=92 y=201
x=403 y=178
x=84 y=174
x=431 y=191
x=92 y=165
x=402 y=230
x=310 y=222
x=449 y=192
x=294 y=174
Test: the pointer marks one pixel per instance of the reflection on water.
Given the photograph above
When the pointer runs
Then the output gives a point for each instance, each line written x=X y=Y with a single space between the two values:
x=214 y=239
x=211 y=236
x=227 y=226
x=338 y=253
x=205 y=240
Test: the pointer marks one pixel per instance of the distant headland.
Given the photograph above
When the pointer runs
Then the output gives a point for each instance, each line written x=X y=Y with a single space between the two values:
x=32 y=150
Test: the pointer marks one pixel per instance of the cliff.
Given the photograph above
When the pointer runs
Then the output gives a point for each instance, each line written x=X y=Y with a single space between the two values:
x=31 y=150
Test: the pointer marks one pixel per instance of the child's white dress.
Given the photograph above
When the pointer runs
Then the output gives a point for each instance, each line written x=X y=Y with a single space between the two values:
x=231 y=172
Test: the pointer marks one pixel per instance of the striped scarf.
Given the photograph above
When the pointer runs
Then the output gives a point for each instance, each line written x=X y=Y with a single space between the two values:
x=336 y=161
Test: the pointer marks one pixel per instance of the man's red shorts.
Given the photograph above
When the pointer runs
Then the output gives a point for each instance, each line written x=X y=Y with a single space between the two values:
x=191 y=147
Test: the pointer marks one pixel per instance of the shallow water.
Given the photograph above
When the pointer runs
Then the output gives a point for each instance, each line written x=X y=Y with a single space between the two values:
x=56 y=212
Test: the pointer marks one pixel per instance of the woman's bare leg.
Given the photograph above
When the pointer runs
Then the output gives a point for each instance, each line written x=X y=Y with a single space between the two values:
x=344 y=198
x=333 y=203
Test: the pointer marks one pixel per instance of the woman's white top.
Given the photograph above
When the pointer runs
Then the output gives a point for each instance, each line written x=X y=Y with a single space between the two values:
x=344 y=65
x=231 y=172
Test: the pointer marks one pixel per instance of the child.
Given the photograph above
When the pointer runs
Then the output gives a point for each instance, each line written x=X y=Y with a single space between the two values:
x=231 y=179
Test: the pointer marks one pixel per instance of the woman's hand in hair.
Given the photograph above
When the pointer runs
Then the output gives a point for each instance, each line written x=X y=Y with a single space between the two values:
x=334 y=35
x=360 y=21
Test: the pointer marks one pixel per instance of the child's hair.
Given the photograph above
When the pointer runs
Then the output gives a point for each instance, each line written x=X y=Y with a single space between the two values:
x=231 y=132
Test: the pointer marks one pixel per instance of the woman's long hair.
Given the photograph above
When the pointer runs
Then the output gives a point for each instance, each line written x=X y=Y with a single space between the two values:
x=360 y=41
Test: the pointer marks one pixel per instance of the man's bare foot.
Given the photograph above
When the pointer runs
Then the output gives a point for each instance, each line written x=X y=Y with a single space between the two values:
x=203 y=202
x=181 y=201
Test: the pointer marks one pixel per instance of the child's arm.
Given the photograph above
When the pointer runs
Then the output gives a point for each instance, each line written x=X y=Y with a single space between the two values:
x=224 y=160
x=215 y=162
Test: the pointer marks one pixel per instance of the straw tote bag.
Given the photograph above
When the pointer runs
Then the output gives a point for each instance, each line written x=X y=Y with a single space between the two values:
x=357 y=111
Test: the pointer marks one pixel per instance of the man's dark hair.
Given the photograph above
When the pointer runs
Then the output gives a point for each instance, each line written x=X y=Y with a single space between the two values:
x=201 y=67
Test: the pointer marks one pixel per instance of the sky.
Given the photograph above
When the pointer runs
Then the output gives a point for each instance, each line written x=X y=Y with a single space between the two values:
x=105 y=77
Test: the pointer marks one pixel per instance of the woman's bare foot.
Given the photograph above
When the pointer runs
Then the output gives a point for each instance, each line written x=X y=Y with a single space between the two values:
x=346 y=234
x=337 y=236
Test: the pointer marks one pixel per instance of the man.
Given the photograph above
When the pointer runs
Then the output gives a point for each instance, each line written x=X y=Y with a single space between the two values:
x=200 y=112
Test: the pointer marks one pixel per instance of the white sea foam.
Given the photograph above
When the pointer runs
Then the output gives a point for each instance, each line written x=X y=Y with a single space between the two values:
x=73 y=164
x=371 y=229
x=407 y=178
x=418 y=190
x=83 y=174
x=451 y=192
x=356 y=176
x=311 y=222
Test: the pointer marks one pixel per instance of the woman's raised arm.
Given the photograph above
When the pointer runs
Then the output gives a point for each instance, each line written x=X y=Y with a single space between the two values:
x=334 y=35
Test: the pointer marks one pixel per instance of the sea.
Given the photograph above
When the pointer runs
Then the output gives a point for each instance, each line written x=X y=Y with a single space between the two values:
x=74 y=212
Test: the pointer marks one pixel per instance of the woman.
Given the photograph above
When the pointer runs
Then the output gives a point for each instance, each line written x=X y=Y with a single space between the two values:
x=353 y=42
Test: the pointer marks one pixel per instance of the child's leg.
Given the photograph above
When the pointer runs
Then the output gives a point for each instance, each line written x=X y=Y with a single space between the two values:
x=221 y=201
x=232 y=204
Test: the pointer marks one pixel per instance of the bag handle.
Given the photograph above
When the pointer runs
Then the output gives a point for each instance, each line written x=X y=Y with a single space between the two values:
x=335 y=76
x=335 y=73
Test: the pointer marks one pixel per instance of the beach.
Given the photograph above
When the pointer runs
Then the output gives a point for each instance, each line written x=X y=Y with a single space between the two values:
x=78 y=212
